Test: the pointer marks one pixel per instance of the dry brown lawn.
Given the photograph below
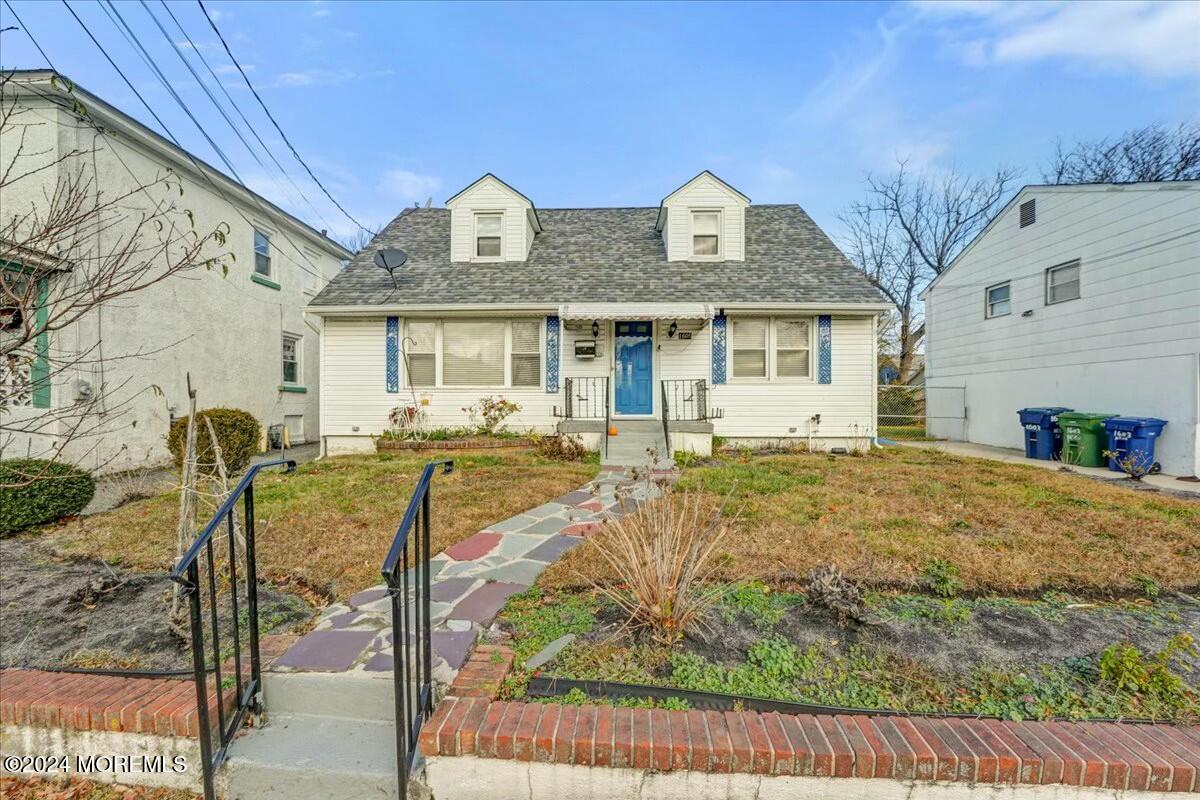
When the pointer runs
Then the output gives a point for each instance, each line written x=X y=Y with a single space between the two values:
x=329 y=524
x=882 y=518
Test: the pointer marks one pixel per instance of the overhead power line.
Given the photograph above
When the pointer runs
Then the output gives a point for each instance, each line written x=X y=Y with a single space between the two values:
x=271 y=117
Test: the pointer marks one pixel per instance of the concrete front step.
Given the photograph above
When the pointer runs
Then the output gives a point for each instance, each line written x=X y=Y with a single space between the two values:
x=307 y=755
x=365 y=696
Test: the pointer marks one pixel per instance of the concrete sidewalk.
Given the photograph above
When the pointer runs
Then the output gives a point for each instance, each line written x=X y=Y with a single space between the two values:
x=1167 y=482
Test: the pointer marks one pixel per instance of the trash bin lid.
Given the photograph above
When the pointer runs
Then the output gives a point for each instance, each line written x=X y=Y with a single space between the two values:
x=1083 y=419
x=1132 y=423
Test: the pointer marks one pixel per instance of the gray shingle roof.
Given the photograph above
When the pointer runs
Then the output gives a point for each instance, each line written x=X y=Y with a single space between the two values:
x=605 y=255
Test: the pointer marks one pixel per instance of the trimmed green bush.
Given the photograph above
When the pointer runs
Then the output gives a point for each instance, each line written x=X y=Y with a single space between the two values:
x=56 y=490
x=238 y=433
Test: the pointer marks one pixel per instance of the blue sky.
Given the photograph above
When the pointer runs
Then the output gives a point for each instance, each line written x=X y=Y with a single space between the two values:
x=617 y=104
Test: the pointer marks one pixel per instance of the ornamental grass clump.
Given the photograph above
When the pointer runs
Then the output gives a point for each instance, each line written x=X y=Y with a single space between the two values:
x=664 y=555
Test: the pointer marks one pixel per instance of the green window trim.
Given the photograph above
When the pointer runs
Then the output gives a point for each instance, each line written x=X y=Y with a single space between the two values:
x=39 y=370
x=294 y=389
x=259 y=279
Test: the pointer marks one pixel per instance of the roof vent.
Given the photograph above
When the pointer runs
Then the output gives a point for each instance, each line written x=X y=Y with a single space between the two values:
x=1028 y=213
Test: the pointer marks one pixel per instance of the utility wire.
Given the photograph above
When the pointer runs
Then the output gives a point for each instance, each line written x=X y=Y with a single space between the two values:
x=220 y=85
x=271 y=117
x=199 y=167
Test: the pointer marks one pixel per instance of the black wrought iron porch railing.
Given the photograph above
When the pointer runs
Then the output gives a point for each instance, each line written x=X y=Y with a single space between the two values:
x=584 y=398
x=202 y=568
x=406 y=573
x=688 y=399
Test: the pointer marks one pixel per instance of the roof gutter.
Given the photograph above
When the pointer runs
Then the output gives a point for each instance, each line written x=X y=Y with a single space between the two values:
x=498 y=309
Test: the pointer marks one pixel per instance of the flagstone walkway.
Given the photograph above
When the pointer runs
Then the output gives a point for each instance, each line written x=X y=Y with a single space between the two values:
x=470 y=582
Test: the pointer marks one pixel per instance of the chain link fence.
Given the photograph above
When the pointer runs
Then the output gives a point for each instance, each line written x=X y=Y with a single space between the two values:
x=922 y=412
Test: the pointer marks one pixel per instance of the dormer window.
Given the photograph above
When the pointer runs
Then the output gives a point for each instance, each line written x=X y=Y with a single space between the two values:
x=488 y=230
x=706 y=234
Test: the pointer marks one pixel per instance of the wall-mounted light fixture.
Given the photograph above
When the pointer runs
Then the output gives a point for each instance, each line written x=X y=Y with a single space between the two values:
x=595 y=329
x=671 y=330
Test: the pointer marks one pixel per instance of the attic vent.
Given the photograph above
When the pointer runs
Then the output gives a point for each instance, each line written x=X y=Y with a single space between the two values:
x=1028 y=213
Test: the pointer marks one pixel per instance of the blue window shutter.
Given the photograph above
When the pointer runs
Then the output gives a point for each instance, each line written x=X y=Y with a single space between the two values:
x=552 y=330
x=393 y=354
x=825 y=349
x=719 y=332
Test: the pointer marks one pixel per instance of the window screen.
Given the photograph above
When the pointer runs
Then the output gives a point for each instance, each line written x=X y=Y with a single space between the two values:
x=706 y=233
x=998 y=300
x=792 y=348
x=749 y=348
x=262 y=253
x=473 y=353
x=1062 y=283
x=526 y=352
x=420 y=353
x=487 y=235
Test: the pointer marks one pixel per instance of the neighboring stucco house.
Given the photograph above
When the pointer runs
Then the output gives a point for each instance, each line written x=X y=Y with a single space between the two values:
x=1086 y=297
x=735 y=319
x=243 y=336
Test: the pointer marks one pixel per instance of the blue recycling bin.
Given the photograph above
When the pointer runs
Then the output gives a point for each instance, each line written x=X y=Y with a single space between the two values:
x=1043 y=438
x=1133 y=435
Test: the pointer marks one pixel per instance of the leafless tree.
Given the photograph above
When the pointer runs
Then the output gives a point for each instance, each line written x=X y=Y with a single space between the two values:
x=907 y=231
x=70 y=243
x=1152 y=153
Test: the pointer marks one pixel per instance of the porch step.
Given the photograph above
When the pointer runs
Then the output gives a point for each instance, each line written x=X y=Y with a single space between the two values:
x=310 y=755
x=368 y=697
x=638 y=443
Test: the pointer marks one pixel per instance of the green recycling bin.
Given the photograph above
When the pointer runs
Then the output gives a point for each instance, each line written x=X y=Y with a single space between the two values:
x=1084 y=438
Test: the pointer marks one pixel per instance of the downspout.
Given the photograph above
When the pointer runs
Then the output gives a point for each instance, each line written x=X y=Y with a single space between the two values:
x=875 y=381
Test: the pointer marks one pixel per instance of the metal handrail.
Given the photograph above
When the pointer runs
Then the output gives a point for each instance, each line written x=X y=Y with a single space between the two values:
x=607 y=416
x=412 y=677
x=665 y=416
x=187 y=574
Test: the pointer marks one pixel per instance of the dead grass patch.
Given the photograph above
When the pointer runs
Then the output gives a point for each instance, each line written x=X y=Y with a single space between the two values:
x=328 y=525
x=881 y=518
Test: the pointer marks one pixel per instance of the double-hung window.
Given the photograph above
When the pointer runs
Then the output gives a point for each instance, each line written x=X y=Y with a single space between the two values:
x=291 y=360
x=262 y=254
x=771 y=348
x=526 y=352
x=488 y=236
x=706 y=234
x=420 y=352
x=1062 y=283
x=998 y=300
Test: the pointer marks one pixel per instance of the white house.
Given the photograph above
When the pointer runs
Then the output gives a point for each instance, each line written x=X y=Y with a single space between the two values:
x=242 y=335
x=1086 y=297
x=726 y=318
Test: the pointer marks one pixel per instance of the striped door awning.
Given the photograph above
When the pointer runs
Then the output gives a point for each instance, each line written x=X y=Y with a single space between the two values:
x=636 y=311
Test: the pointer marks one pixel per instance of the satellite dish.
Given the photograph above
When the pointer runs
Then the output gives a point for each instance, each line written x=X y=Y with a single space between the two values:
x=390 y=259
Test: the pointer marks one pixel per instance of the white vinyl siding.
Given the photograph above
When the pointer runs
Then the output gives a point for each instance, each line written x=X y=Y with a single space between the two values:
x=420 y=344
x=1128 y=345
x=489 y=197
x=998 y=300
x=1062 y=283
x=705 y=194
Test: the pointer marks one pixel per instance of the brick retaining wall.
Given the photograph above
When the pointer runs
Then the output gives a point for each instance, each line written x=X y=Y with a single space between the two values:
x=1121 y=756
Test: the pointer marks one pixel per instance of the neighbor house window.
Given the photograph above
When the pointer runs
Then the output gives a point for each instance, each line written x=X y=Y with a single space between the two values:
x=1062 y=283
x=262 y=253
x=749 y=348
x=706 y=233
x=792 y=345
x=998 y=300
x=420 y=348
x=526 y=352
x=291 y=359
x=473 y=353
x=487 y=235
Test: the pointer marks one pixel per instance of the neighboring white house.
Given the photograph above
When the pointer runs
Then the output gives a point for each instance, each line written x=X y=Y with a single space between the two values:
x=1086 y=297
x=744 y=321
x=243 y=336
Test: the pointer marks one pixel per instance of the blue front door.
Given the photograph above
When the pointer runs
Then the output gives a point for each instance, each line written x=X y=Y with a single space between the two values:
x=634 y=366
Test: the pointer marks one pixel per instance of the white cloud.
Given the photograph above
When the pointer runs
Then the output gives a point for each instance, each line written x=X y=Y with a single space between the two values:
x=1153 y=38
x=409 y=187
x=230 y=69
x=313 y=77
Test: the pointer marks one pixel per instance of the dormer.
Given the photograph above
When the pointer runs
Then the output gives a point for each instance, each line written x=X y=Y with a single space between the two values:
x=491 y=221
x=704 y=220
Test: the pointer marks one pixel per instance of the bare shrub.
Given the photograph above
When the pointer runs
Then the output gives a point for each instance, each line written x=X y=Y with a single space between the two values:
x=665 y=552
x=561 y=447
x=830 y=589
